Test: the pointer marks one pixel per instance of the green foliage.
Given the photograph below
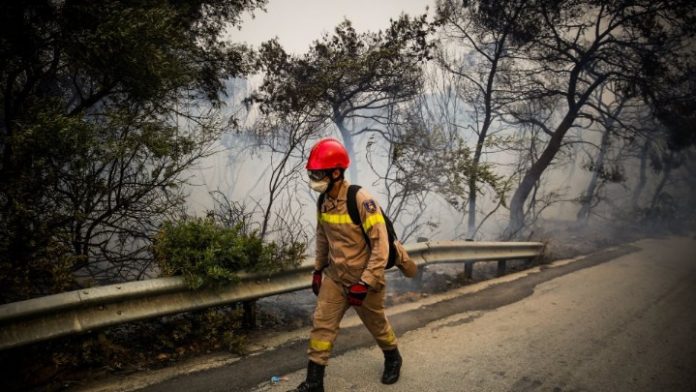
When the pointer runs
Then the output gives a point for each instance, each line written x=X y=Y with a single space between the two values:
x=204 y=252
x=517 y=19
x=347 y=71
x=460 y=170
x=103 y=106
x=344 y=75
x=428 y=160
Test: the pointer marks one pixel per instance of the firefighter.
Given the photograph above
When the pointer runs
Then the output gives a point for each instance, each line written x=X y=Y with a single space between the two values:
x=348 y=271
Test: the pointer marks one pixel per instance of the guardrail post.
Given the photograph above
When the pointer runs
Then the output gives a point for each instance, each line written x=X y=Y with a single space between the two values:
x=468 y=269
x=502 y=264
x=418 y=279
x=528 y=262
x=249 y=316
x=469 y=265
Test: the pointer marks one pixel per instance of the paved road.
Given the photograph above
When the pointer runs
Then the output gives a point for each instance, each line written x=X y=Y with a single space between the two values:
x=620 y=320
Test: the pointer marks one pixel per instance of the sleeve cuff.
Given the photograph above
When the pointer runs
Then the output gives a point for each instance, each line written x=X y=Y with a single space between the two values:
x=320 y=265
x=371 y=280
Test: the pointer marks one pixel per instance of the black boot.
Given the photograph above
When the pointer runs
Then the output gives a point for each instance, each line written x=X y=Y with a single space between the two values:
x=392 y=366
x=314 y=381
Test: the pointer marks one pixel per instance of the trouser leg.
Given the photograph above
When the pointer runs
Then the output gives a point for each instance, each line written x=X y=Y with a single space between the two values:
x=331 y=306
x=372 y=315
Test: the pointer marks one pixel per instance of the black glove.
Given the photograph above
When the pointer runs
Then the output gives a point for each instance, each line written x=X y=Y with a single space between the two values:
x=357 y=293
x=316 y=282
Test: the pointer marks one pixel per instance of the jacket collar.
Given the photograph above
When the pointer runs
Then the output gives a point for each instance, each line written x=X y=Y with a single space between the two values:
x=343 y=190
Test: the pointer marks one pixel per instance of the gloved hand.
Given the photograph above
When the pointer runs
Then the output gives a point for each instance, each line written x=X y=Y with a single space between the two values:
x=357 y=293
x=316 y=282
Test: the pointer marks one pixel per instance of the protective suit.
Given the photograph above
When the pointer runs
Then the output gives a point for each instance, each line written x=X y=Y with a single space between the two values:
x=345 y=259
x=349 y=268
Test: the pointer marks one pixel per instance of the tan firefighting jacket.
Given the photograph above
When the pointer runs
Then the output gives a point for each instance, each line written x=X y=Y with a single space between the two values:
x=341 y=247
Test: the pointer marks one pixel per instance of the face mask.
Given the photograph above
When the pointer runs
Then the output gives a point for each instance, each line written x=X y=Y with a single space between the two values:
x=319 y=186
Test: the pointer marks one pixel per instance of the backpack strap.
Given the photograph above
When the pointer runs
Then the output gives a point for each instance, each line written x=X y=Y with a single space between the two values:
x=320 y=201
x=353 y=210
x=353 y=204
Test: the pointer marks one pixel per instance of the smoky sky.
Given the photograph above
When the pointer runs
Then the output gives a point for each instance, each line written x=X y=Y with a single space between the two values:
x=297 y=23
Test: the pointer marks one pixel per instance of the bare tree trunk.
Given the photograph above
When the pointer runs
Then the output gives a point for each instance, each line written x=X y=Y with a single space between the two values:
x=473 y=180
x=473 y=189
x=348 y=143
x=275 y=184
x=661 y=185
x=471 y=223
x=533 y=175
x=586 y=199
x=485 y=126
x=643 y=178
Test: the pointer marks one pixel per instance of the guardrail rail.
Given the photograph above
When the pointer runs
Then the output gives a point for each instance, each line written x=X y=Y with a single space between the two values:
x=83 y=310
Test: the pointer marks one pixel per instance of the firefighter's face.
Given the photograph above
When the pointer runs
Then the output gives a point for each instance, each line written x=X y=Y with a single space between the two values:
x=320 y=180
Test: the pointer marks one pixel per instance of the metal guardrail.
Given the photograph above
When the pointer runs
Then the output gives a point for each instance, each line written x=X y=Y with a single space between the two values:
x=78 y=311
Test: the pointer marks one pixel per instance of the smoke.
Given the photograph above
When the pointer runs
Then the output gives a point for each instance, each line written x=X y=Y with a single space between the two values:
x=241 y=170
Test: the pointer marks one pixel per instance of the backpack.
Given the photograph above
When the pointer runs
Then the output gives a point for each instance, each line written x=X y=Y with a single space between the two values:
x=397 y=253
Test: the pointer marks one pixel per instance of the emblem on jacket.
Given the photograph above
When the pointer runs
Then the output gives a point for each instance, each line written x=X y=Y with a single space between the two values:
x=370 y=206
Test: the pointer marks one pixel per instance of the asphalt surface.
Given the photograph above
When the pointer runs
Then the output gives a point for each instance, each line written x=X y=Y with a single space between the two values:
x=619 y=320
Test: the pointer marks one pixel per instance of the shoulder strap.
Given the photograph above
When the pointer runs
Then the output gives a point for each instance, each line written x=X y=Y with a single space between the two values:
x=353 y=210
x=353 y=204
x=320 y=201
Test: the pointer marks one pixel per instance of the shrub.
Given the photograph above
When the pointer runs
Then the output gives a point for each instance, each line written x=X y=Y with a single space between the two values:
x=206 y=253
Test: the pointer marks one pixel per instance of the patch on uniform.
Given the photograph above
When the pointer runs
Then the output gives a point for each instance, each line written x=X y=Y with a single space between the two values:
x=370 y=206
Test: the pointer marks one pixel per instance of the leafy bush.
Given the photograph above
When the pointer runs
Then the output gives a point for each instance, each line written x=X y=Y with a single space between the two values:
x=205 y=252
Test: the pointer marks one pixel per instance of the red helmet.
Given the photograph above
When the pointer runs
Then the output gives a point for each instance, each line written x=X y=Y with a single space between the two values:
x=328 y=154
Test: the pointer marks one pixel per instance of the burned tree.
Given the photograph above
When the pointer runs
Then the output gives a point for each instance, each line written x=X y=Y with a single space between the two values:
x=577 y=48
x=346 y=75
x=482 y=37
x=285 y=137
